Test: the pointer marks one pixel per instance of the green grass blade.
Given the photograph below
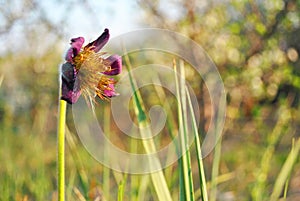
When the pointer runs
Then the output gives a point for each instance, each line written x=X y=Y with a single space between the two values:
x=183 y=181
x=185 y=159
x=280 y=127
x=285 y=171
x=71 y=182
x=185 y=126
x=143 y=187
x=121 y=189
x=286 y=186
x=81 y=173
x=202 y=178
x=106 y=170
x=1 y=79
x=215 y=170
x=182 y=196
x=170 y=123
x=220 y=179
x=158 y=179
x=134 y=179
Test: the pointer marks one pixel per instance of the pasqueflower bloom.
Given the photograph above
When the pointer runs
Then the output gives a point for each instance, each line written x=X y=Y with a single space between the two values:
x=89 y=71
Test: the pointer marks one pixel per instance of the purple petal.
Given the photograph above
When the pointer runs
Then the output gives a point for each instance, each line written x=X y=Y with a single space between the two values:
x=116 y=65
x=76 y=44
x=70 y=87
x=68 y=72
x=111 y=91
x=100 y=41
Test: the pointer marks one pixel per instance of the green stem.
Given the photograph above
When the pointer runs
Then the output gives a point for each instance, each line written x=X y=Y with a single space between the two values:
x=61 y=149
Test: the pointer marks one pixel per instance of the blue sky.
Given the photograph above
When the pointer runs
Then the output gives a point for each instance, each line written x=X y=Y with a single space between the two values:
x=118 y=15
x=81 y=19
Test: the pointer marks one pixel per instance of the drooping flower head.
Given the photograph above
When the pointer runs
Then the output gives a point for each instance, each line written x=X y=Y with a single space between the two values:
x=89 y=71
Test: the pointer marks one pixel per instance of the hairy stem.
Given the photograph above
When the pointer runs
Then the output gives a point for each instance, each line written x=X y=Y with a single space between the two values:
x=61 y=149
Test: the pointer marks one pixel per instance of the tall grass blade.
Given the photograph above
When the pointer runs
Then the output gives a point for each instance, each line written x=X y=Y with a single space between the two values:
x=143 y=187
x=71 y=182
x=202 y=178
x=280 y=127
x=220 y=179
x=170 y=123
x=185 y=126
x=158 y=179
x=1 y=79
x=121 y=189
x=82 y=175
x=182 y=196
x=182 y=116
x=286 y=186
x=78 y=194
x=106 y=170
x=215 y=170
x=285 y=171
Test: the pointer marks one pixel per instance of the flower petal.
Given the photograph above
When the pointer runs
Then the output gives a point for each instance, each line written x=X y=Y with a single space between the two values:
x=76 y=44
x=97 y=44
x=68 y=72
x=70 y=87
x=110 y=92
x=116 y=65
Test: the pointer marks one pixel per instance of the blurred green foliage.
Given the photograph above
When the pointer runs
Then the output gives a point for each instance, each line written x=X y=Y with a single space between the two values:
x=255 y=45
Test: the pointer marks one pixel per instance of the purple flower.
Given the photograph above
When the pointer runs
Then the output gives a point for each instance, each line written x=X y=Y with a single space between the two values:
x=88 y=71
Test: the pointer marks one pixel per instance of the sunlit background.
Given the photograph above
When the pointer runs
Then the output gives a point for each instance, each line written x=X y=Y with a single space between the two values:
x=255 y=45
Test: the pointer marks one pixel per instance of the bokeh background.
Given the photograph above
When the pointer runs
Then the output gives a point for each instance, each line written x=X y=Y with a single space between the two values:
x=255 y=45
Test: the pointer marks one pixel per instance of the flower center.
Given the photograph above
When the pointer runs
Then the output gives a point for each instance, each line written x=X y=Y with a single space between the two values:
x=90 y=66
x=89 y=59
x=82 y=57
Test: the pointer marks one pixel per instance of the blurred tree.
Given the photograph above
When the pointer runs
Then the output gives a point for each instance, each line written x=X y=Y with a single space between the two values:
x=255 y=45
x=252 y=43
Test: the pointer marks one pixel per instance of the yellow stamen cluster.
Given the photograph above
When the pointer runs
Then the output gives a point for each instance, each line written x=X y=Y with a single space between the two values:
x=103 y=85
x=90 y=59
x=89 y=65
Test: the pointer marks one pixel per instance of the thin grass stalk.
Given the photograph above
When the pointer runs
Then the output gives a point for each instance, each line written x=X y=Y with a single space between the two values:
x=78 y=194
x=121 y=189
x=216 y=160
x=106 y=170
x=286 y=186
x=170 y=122
x=185 y=127
x=134 y=179
x=220 y=179
x=215 y=170
x=61 y=149
x=143 y=187
x=184 y=163
x=280 y=127
x=71 y=142
x=182 y=196
x=183 y=184
x=202 y=178
x=158 y=178
x=285 y=171
x=71 y=182
x=1 y=79
x=82 y=175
